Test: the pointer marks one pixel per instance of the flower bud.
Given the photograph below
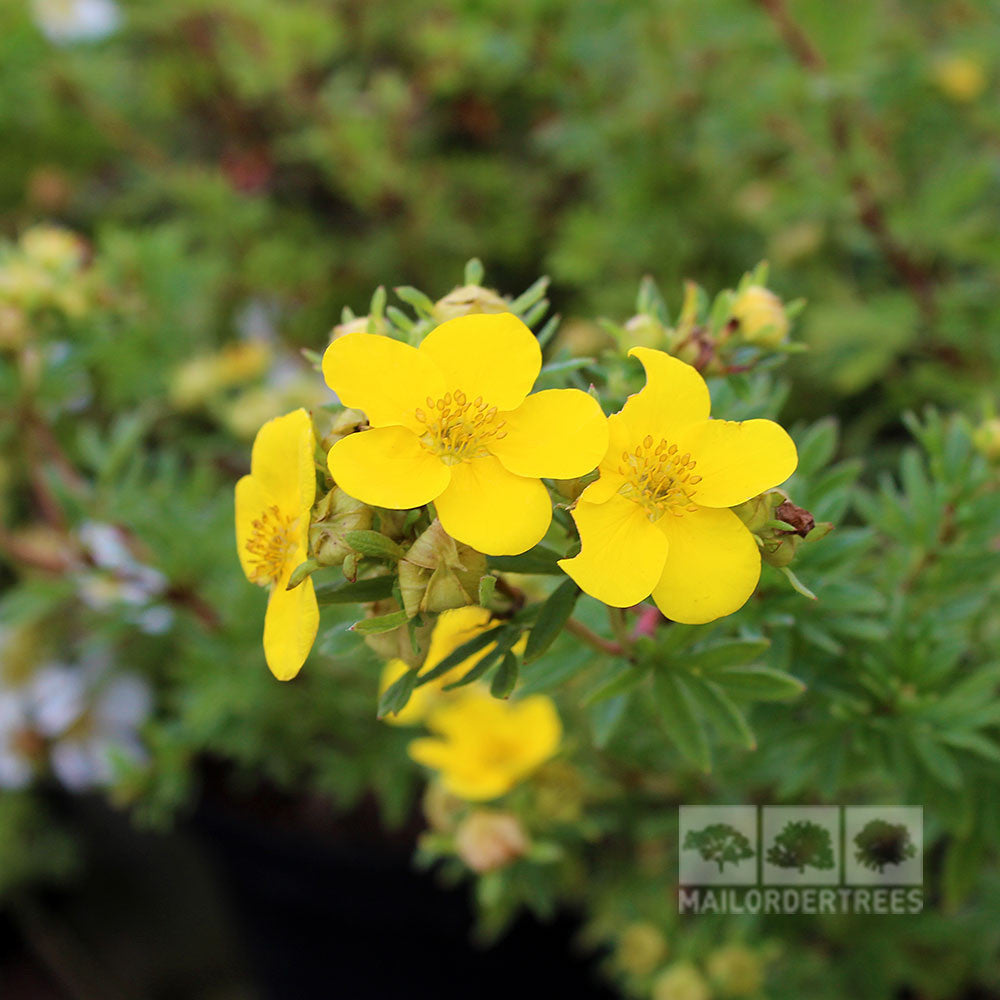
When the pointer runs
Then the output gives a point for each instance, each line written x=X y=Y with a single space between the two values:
x=960 y=78
x=488 y=840
x=778 y=543
x=986 y=438
x=736 y=970
x=761 y=316
x=359 y=325
x=681 y=981
x=334 y=516
x=646 y=331
x=469 y=299
x=345 y=423
x=439 y=573
x=397 y=644
x=641 y=948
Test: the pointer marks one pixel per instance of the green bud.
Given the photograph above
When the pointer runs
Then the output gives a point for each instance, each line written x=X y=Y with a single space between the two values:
x=645 y=330
x=779 y=525
x=439 y=573
x=335 y=516
x=467 y=300
x=397 y=644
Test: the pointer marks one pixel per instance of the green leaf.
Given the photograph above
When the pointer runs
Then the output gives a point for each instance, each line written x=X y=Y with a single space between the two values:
x=552 y=616
x=506 y=640
x=529 y=297
x=936 y=760
x=679 y=715
x=797 y=585
x=723 y=713
x=379 y=624
x=461 y=653
x=758 y=683
x=505 y=679
x=624 y=681
x=817 y=446
x=474 y=271
x=359 y=592
x=301 y=572
x=487 y=586
x=731 y=653
x=397 y=694
x=371 y=543
x=539 y=561
x=416 y=298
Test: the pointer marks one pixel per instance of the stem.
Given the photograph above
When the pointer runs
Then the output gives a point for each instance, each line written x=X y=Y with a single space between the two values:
x=616 y=617
x=592 y=639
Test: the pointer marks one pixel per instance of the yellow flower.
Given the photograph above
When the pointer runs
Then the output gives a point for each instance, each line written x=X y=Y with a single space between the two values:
x=450 y=630
x=452 y=422
x=272 y=536
x=761 y=316
x=681 y=981
x=656 y=522
x=485 y=746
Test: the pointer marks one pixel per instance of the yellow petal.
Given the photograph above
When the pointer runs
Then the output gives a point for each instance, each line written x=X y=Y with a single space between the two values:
x=282 y=461
x=674 y=395
x=387 y=467
x=736 y=461
x=538 y=723
x=558 y=433
x=622 y=552
x=493 y=510
x=290 y=626
x=387 y=379
x=251 y=501
x=712 y=567
x=493 y=356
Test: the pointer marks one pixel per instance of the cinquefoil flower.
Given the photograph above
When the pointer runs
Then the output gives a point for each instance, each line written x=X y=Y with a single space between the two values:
x=272 y=536
x=656 y=521
x=452 y=422
x=485 y=746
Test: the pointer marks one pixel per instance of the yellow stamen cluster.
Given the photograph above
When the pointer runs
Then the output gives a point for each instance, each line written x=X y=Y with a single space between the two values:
x=270 y=545
x=458 y=428
x=658 y=478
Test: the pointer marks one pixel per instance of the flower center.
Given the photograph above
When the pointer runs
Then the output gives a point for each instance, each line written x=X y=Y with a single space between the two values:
x=271 y=543
x=659 y=478
x=458 y=429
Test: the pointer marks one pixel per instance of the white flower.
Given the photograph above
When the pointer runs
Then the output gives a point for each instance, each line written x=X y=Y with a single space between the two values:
x=66 y=21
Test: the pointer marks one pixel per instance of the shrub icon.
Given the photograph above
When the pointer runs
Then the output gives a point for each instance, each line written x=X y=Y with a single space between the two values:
x=719 y=842
x=802 y=844
x=881 y=843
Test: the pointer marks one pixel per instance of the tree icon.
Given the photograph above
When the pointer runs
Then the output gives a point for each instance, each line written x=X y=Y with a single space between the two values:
x=802 y=843
x=881 y=843
x=719 y=842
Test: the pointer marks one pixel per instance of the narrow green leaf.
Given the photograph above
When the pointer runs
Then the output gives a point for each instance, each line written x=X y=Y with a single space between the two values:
x=461 y=653
x=506 y=640
x=359 y=592
x=474 y=271
x=416 y=298
x=551 y=618
x=731 y=653
x=505 y=679
x=723 y=713
x=397 y=694
x=487 y=587
x=758 y=683
x=529 y=297
x=679 y=715
x=379 y=624
x=302 y=571
x=539 y=561
x=625 y=680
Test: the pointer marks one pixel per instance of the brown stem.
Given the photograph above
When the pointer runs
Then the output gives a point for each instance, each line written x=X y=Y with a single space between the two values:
x=914 y=274
x=592 y=639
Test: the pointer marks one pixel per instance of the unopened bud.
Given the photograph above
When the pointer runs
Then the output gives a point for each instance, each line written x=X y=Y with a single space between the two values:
x=407 y=644
x=346 y=422
x=645 y=331
x=360 y=324
x=761 y=316
x=333 y=517
x=487 y=840
x=439 y=573
x=467 y=300
x=780 y=525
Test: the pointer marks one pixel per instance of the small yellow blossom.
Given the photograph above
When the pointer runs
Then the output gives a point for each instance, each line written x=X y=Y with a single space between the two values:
x=641 y=948
x=656 y=521
x=452 y=422
x=272 y=536
x=486 y=746
x=736 y=971
x=761 y=316
x=450 y=630
x=986 y=438
x=487 y=840
x=960 y=77
x=53 y=248
x=199 y=379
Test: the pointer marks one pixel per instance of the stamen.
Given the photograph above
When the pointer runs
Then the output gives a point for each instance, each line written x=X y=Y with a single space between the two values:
x=270 y=544
x=658 y=478
x=459 y=430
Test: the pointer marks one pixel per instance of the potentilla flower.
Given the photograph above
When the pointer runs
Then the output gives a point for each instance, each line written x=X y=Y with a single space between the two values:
x=485 y=746
x=272 y=536
x=452 y=422
x=657 y=520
